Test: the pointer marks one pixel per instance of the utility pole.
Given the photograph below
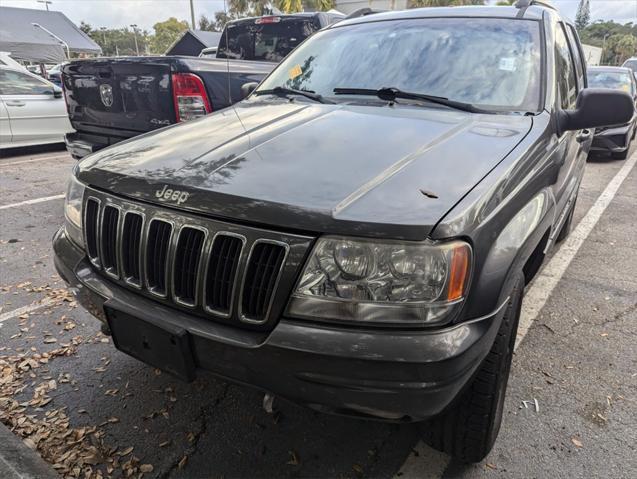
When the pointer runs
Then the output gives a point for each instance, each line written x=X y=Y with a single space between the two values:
x=601 y=60
x=46 y=2
x=134 y=27
x=68 y=51
x=192 y=15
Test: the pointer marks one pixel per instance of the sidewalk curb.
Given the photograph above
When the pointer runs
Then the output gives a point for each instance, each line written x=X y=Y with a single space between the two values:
x=17 y=461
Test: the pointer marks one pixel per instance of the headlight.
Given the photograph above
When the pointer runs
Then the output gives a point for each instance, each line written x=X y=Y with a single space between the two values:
x=73 y=210
x=373 y=281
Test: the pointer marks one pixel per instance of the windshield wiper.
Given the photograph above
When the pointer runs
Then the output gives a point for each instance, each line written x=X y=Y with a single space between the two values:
x=390 y=94
x=286 y=92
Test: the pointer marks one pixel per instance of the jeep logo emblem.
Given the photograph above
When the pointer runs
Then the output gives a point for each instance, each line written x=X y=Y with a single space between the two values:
x=106 y=94
x=168 y=194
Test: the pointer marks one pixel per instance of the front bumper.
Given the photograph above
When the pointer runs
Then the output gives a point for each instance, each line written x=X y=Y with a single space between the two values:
x=382 y=374
x=614 y=140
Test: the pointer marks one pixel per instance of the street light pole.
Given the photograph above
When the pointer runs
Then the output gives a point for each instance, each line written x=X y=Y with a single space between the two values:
x=134 y=27
x=46 y=2
x=68 y=51
x=601 y=60
x=192 y=15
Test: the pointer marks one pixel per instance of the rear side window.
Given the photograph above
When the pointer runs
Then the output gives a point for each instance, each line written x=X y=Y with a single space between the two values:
x=17 y=83
x=564 y=71
x=580 y=66
x=266 y=38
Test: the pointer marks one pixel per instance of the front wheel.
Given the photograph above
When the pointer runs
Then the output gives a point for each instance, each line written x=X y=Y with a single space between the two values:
x=468 y=429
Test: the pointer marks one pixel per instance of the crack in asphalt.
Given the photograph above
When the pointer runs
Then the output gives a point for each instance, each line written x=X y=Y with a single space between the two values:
x=202 y=418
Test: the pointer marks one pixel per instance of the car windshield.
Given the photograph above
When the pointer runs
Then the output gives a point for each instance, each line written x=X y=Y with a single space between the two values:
x=492 y=63
x=264 y=38
x=632 y=64
x=610 y=79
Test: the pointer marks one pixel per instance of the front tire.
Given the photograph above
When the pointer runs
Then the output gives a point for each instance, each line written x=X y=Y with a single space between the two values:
x=469 y=428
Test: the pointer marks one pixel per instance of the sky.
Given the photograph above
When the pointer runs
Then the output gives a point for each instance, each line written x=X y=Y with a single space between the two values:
x=145 y=13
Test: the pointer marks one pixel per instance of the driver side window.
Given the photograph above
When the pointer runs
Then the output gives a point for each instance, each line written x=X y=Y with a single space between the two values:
x=17 y=83
x=564 y=71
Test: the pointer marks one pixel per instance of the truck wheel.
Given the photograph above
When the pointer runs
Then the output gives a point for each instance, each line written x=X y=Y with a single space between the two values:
x=468 y=429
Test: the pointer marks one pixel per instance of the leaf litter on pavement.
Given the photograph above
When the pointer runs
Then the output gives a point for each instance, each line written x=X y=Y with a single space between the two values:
x=73 y=452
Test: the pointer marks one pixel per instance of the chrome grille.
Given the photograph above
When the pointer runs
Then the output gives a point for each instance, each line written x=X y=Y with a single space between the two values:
x=131 y=244
x=221 y=271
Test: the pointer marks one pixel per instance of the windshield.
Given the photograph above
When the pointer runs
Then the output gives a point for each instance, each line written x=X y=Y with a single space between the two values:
x=494 y=63
x=632 y=64
x=264 y=38
x=609 y=79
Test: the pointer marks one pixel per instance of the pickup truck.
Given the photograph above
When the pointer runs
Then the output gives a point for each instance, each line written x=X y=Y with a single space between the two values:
x=356 y=235
x=112 y=99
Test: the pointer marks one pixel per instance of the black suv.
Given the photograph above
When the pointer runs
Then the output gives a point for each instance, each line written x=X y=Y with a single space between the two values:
x=357 y=234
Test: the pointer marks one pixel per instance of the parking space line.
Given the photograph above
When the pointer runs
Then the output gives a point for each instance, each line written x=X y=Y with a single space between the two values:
x=22 y=162
x=32 y=202
x=549 y=276
x=29 y=308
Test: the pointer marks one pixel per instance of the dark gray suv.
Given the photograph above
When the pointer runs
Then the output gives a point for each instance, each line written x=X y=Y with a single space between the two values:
x=357 y=234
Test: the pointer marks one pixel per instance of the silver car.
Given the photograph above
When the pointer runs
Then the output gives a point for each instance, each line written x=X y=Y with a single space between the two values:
x=32 y=110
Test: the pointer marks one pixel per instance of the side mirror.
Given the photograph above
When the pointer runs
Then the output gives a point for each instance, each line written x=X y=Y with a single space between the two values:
x=57 y=92
x=248 y=88
x=597 y=107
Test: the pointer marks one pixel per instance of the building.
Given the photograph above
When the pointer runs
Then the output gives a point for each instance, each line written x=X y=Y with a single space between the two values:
x=193 y=41
x=40 y=36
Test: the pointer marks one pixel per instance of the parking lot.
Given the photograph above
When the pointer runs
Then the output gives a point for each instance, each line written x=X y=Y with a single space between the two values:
x=570 y=411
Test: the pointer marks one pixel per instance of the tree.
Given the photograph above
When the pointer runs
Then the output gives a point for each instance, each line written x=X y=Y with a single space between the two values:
x=166 y=33
x=116 y=41
x=505 y=3
x=583 y=16
x=207 y=24
x=610 y=36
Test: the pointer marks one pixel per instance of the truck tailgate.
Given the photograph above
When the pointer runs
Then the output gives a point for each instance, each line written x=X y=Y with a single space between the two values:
x=123 y=95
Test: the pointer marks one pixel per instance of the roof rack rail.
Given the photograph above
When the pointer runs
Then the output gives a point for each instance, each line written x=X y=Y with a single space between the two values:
x=539 y=3
x=363 y=12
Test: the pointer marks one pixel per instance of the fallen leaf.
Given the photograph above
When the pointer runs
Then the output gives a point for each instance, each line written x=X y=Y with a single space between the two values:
x=577 y=442
x=146 y=468
x=182 y=462
x=294 y=459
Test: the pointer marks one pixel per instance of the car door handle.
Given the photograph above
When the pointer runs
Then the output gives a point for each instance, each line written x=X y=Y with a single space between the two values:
x=583 y=136
x=14 y=103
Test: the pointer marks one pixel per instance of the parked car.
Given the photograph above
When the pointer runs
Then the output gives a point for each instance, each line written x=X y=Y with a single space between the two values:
x=32 y=110
x=615 y=139
x=210 y=52
x=270 y=38
x=7 y=61
x=632 y=64
x=54 y=74
x=357 y=234
x=113 y=99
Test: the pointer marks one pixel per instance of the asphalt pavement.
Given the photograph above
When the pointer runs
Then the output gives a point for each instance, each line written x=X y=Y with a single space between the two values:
x=570 y=409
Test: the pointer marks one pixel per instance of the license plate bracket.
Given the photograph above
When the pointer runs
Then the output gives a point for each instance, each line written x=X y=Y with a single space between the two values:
x=165 y=346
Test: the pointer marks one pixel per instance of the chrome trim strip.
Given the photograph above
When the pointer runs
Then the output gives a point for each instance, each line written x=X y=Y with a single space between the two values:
x=176 y=298
x=94 y=260
x=152 y=289
x=109 y=271
x=223 y=314
x=140 y=253
x=243 y=318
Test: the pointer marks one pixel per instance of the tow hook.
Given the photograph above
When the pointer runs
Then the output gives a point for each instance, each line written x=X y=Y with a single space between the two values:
x=268 y=403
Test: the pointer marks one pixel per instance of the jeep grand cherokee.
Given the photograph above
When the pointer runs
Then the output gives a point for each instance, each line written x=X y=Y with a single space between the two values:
x=356 y=235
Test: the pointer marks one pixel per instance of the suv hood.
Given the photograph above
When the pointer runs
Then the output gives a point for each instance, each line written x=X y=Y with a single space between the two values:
x=342 y=169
